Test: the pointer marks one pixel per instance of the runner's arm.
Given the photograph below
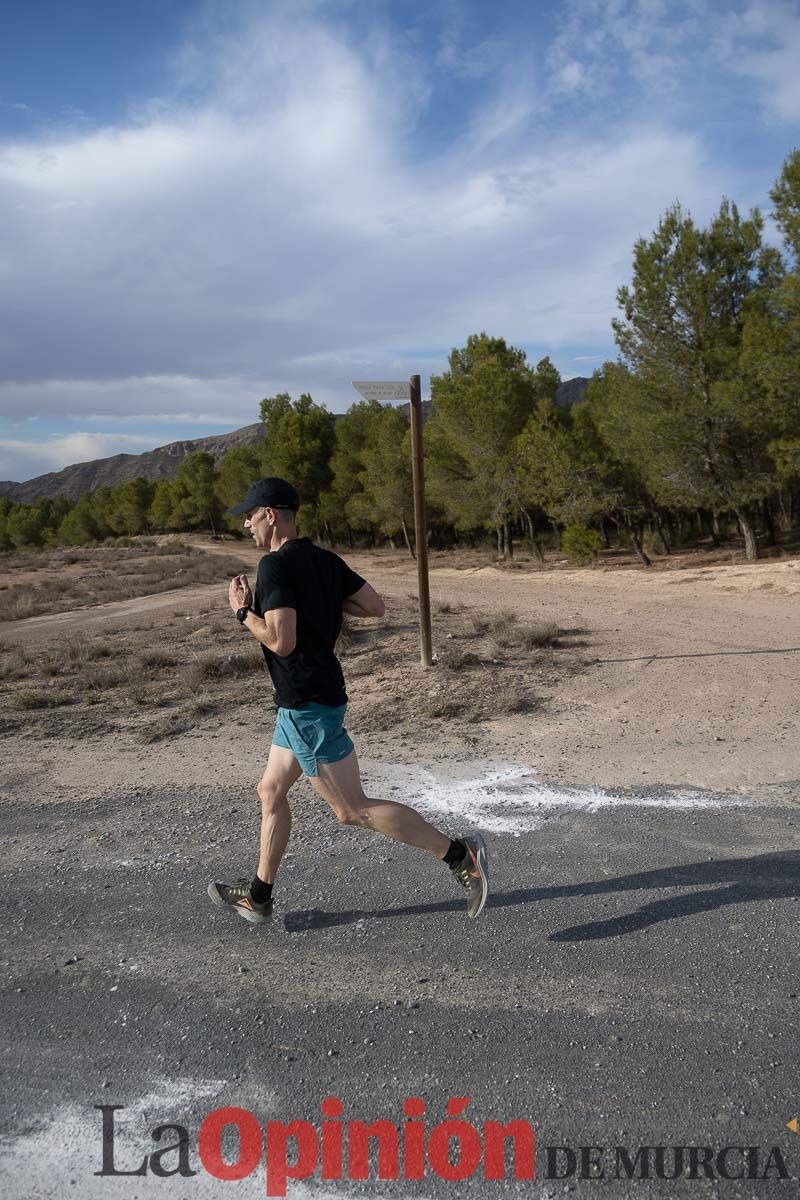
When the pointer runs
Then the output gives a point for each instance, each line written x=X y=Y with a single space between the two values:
x=277 y=629
x=364 y=603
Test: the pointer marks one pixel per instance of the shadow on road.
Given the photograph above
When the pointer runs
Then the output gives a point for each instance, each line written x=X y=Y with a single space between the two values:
x=743 y=880
x=763 y=877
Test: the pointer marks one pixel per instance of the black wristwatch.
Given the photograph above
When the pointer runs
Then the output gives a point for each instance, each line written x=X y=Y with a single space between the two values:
x=241 y=613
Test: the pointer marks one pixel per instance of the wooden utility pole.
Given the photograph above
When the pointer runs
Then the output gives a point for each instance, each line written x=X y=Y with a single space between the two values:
x=393 y=390
x=421 y=523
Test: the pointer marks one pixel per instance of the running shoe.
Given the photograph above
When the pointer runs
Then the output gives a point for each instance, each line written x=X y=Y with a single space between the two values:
x=472 y=872
x=237 y=896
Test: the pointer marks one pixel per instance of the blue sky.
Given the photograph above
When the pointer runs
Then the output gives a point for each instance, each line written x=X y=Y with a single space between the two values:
x=203 y=203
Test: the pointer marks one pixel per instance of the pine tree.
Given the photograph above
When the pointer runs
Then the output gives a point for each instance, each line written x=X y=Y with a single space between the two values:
x=161 y=506
x=25 y=527
x=343 y=505
x=785 y=195
x=78 y=526
x=386 y=476
x=128 y=505
x=194 y=493
x=240 y=467
x=689 y=415
x=481 y=403
x=299 y=441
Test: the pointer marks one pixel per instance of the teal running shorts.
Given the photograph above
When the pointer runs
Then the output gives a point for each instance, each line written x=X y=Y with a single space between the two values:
x=314 y=734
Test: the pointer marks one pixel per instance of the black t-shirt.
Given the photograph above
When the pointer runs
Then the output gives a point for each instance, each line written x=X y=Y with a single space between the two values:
x=314 y=582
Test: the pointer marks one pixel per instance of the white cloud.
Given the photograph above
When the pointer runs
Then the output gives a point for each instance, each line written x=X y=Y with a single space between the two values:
x=470 y=60
x=571 y=76
x=272 y=225
x=160 y=397
x=763 y=43
x=669 y=48
x=20 y=460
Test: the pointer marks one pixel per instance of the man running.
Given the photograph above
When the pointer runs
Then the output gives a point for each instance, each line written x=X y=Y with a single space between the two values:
x=296 y=614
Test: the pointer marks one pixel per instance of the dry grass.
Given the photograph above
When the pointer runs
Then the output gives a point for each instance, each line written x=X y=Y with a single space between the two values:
x=533 y=635
x=116 y=572
x=165 y=727
x=502 y=628
x=15 y=666
x=213 y=666
x=488 y=665
x=443 y=607
x=156 y=679
x=507 y=631
x=513 y=697
x=460 y=660
x=27 y=700
x=157 y=660
x=96 y=679
x=205 y=705
x=143 y=697
x=89 y=685
x=76 y=652
x=448 y=706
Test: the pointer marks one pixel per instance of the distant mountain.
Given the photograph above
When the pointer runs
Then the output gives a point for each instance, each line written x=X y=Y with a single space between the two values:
x=572 y=391
x=164 y=462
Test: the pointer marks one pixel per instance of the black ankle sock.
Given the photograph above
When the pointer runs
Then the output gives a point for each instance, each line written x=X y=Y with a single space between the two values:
x=260 y=892
x=455 y=854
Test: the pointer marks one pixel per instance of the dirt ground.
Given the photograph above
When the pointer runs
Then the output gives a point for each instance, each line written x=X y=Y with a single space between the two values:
x=685 y=676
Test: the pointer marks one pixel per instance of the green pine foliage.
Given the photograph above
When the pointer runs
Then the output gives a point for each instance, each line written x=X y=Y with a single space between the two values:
x=481 y=404
x=298 y=445
x=196 y=504
x=581 y=544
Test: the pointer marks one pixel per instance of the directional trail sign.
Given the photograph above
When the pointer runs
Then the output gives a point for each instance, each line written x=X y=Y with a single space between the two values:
x=383 y=389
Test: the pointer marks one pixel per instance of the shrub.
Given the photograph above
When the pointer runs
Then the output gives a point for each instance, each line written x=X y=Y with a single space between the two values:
x=78 y=651
x=157 y=660
x=50 y=663
x=213 y=665
x=503 y=627
x=166 y=727
x=538 y=633
x=444 y=707
x=145 y=698
x=511 y=698
x=462 y=661
x=14 y=667
x=479 y=624
x=101 y=679
x=30 y=700
x=18 y=604
x=581 y=544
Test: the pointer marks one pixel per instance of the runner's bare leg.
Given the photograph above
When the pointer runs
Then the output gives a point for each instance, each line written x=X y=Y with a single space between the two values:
x=339 y=784
x=281 y=772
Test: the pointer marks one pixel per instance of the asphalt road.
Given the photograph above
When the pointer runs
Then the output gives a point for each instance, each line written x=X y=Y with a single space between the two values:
x=633 y=982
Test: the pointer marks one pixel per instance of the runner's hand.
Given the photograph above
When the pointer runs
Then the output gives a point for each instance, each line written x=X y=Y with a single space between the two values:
x=239 y=593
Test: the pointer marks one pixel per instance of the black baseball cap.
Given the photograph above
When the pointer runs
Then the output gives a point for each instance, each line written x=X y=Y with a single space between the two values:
x=268 y=493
